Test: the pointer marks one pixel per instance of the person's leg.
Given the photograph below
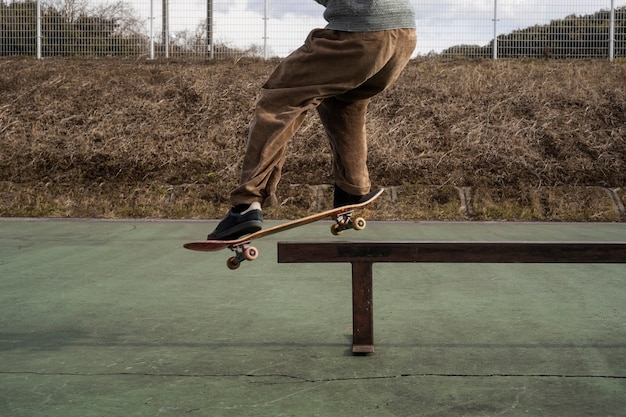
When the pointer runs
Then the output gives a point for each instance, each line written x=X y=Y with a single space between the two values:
x=329 y=64
x=344 y=118
x=344 y=123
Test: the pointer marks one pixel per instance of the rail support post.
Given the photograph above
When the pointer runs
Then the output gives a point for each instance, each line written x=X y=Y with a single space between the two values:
x=362 y=308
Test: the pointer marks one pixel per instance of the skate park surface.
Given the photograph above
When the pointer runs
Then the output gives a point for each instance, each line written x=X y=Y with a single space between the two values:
x=115 y=318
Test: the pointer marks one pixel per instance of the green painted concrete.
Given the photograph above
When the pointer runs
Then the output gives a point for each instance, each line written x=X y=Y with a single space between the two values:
x=115 y=318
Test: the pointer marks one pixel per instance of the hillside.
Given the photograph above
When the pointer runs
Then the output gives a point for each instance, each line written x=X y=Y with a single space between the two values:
x=572 y=37
x=495 y=140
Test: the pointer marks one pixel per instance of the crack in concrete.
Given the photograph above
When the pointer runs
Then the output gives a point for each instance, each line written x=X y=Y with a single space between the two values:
x=318 y=380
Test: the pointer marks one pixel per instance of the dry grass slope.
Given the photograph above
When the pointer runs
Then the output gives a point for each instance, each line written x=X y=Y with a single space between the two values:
x=516 y=140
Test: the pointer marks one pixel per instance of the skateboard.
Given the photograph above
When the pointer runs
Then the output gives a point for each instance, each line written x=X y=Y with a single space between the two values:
x=245 y=251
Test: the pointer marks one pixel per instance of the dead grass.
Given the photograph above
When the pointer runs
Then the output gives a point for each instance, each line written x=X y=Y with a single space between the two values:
x=533 y=140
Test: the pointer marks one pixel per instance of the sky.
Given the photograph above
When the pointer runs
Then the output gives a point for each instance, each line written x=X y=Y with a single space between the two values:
x=440 y=23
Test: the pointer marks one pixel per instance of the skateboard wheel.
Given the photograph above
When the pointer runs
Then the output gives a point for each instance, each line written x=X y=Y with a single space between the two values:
x=335 y=230
x=359 y=223
x=232 y=264
x=250 y=253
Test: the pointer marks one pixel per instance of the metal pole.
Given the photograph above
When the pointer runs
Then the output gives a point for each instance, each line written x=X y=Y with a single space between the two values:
x=209 y=28
x=265 y=30
x=612 y=33
x=38 y=29
x=166 y=29
x=495 y=29
x=151 y=29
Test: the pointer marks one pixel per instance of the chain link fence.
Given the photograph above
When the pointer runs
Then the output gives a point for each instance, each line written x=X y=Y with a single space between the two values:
x=219 y=29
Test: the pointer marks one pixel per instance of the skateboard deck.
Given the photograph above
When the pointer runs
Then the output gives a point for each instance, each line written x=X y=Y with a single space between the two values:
x=244 y=251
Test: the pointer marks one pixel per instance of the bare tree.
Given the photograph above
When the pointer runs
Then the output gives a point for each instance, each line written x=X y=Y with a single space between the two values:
x=72 y=10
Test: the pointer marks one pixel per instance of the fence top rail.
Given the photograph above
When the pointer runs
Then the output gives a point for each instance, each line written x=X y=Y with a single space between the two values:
x=453 y=252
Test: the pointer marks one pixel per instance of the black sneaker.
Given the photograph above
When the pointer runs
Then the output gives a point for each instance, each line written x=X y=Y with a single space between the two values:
x=342 y=198
x=240 y=221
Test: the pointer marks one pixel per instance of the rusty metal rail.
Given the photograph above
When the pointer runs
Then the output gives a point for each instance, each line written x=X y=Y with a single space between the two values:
x=363 y=254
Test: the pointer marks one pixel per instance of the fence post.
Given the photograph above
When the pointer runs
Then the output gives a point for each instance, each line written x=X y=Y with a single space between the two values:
x=151 y=29
x=209 y=28
x=166 y=28
x=495 y=29
x=38 y=41
x=612 y=32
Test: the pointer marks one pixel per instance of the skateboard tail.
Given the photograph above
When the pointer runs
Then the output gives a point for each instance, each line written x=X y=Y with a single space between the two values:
x=203 y=247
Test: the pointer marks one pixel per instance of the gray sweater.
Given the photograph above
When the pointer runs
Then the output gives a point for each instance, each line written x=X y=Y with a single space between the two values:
x=368 y=15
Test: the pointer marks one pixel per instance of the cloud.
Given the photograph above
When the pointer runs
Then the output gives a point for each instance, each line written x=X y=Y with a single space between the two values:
x=285 y=9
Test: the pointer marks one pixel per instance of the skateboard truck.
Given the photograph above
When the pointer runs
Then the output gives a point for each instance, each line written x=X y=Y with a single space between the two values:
x=243 y=251
x=344 y=221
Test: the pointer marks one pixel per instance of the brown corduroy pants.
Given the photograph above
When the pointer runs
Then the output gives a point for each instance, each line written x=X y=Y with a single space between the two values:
x=337 y=73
